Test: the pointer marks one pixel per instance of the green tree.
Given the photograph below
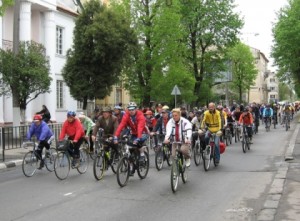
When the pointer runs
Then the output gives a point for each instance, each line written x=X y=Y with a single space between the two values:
x=25 y=75
x=286 y=48
x=243 y=68
x=102 y=40
x=211 y=26
x=284 y=91
x=5 y=4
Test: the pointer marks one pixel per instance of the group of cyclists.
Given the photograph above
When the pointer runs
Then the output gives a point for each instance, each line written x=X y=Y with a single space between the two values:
x=175 y=125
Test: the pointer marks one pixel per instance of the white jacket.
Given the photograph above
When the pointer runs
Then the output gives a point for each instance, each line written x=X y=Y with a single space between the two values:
x=185 y=129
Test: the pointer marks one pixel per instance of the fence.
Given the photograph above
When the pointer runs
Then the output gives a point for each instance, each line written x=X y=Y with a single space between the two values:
x=13 y=137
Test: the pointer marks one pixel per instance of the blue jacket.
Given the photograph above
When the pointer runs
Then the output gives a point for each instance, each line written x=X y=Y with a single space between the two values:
x=42 y=132
x=268 y=113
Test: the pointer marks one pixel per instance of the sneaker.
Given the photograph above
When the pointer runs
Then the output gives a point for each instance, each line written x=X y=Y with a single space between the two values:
x=217 y=162
x=42 y=164
x=188 y=162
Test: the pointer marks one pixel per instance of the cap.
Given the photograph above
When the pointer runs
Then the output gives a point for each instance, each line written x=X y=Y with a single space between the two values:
x=106 y=109
x=37 y=117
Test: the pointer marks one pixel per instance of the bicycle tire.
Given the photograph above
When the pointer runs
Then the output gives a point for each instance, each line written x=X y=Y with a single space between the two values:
x=248 y=143
x=184 y=173
x=174 y=176
x=123 y=169
x=244 y=144
x=49 y=161
x=168 y=156
x=84 y=161
x=286 y=126
x=30 y=164
x=159 y=158
x=115 y=158
x=142 y=170
x=213 y=156
x=62 y=165
x=197 y=154
x=99 y=166
x=206 y=157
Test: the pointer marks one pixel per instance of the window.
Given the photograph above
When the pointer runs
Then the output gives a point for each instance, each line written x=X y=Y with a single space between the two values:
x=79 y=105
x=272 y=88
x=59 y=40
x=59 y=94
x=272 y=96
x=272 y=80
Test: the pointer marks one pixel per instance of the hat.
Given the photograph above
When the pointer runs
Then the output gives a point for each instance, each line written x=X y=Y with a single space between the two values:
x=37 y=117
x=165 y=107
x=106 y=109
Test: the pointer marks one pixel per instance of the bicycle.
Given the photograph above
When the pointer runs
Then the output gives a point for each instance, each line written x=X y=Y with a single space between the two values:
x=274 y=120
x=178 y=167
x=198 y=149
x=209 y=153
x=31 y=161
x=105 y=158
x=267 y=123
x=286 y=120
x=228 y=136
x=65 y=156
x=245 y=140
x=163 y=153
x=131 y=158
x=237 y=132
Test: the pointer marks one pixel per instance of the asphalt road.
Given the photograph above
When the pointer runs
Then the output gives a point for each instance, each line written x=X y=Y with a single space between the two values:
x=235 y=190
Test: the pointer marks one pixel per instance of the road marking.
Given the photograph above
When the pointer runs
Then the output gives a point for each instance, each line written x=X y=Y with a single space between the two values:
x=67 y=194
x=238 y=210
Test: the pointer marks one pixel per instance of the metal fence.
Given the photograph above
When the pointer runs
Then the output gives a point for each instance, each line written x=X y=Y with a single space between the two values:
x=13 y=137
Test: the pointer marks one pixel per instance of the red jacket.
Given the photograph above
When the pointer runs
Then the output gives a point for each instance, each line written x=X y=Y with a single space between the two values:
x=74 y=130
x=246 y=119
x=137 y=127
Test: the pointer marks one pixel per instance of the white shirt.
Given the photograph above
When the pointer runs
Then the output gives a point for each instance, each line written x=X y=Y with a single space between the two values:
x=185 y=129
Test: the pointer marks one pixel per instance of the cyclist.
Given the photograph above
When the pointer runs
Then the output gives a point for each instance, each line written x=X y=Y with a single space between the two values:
x=196 y=126
x=88 y=126
x=255 y=110
x=150 y=120
x=286 y=113
x=118 y=112
x=183 y=112
x=267 y=113
x=74 y=130
x=230 y=122
x=223 y=115
x=160 y=127
x=275 y=112
x=44 y=135
x=181 y=129
x=45 y=113
x=246 y=119
x=212 y=119
x=135 y=120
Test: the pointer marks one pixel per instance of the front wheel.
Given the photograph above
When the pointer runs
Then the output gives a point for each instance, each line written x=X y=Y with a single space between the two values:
x=184 y=173
x=244 y=147
x=99 y=167
x=50 y=158
x=30 y=164
x=197 y=154
x=115 y=159
x=159 y=158
x=143 y=168
x=174 y=177
x=123 y=171
x=206 y=157
x=84 y=161
x=62 y=165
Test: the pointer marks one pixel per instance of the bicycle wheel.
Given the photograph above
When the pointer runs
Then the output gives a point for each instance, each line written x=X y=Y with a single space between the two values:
x=213 y=156
x=143 y=168
x=286 y=125
x=30 y=164
x=197 y=153
x=62 y=165
x=123 y=171
x=184 y=173
x=174 y=176
x=50 y=158
x=248 y=143
x=206 y=157
x=115 y=159
x=159 y=158
x=99 y=166
x=84 y=161
x=244 y=147
x=168 y=156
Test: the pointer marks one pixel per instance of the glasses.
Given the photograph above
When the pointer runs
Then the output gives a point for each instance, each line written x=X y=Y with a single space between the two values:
x=132 y=110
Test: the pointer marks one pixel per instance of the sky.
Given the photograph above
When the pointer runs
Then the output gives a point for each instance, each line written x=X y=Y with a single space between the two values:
x=259 y=17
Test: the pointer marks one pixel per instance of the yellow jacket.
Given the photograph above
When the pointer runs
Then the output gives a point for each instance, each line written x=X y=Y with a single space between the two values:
x=212 y=120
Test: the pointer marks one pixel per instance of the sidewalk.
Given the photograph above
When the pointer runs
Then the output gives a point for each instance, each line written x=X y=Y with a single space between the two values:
x=13 y=158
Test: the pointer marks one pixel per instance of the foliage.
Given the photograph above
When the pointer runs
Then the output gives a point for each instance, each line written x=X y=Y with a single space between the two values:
x=210 y=27
x=5 y=4
x=284 y=91
x=26 y=74
x=243 y=68
x=286 y=48
x=102 y=40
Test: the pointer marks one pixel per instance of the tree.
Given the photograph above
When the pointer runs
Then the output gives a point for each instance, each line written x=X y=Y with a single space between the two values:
x=25 y=75
x=286 y=48
x=4 y=5
x=243 y=68
x=211 y=26
x=102 y=40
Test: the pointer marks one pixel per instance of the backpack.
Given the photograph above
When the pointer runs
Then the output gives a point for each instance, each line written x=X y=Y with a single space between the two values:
x=268 y=113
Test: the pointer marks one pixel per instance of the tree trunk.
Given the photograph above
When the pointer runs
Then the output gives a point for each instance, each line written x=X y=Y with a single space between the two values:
x=240 y=94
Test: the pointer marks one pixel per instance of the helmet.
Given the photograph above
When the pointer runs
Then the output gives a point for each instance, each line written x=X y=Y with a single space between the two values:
x=106 y=109
x=81 y=115
x=118 y=107
x=37 y=117
x=148 y=112
x=199 y=112
x=165 y=107
x=132 y=106
x=71 y=114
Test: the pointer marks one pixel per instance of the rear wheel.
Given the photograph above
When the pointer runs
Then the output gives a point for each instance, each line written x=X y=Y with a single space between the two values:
x=62 y=165
x=115 y=159
x=184 y=173
x=143 y=168
x=168 y=155
x=174 y=177
x=99 y=166
x=30 y=164
x=244 y=147
x=123 y=171
x=159 y=158
x=84 y=161
x=50 y=158
x=206 y=157
x=197 y=153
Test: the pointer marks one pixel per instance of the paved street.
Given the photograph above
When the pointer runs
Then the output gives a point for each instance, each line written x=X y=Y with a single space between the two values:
x=236 y=190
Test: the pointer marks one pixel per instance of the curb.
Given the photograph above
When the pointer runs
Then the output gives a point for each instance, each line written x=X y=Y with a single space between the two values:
x=10 y=164
x=289 y=152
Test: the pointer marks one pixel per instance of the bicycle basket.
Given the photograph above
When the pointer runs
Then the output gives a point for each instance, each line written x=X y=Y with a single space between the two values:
x=63 y=145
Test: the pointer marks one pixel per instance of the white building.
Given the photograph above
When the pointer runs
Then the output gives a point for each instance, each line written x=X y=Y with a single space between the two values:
x=273 y=87
x=51 y=23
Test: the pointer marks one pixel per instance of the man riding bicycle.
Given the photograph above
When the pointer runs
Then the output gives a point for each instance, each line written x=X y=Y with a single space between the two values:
x=212 y=120
x=267 y=113
x=161 y=124
x=181 y=129
x=246 y=119
x=44 y=135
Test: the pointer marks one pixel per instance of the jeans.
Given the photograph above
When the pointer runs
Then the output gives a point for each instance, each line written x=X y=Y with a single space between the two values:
x=217 y=143
x=142 y=139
